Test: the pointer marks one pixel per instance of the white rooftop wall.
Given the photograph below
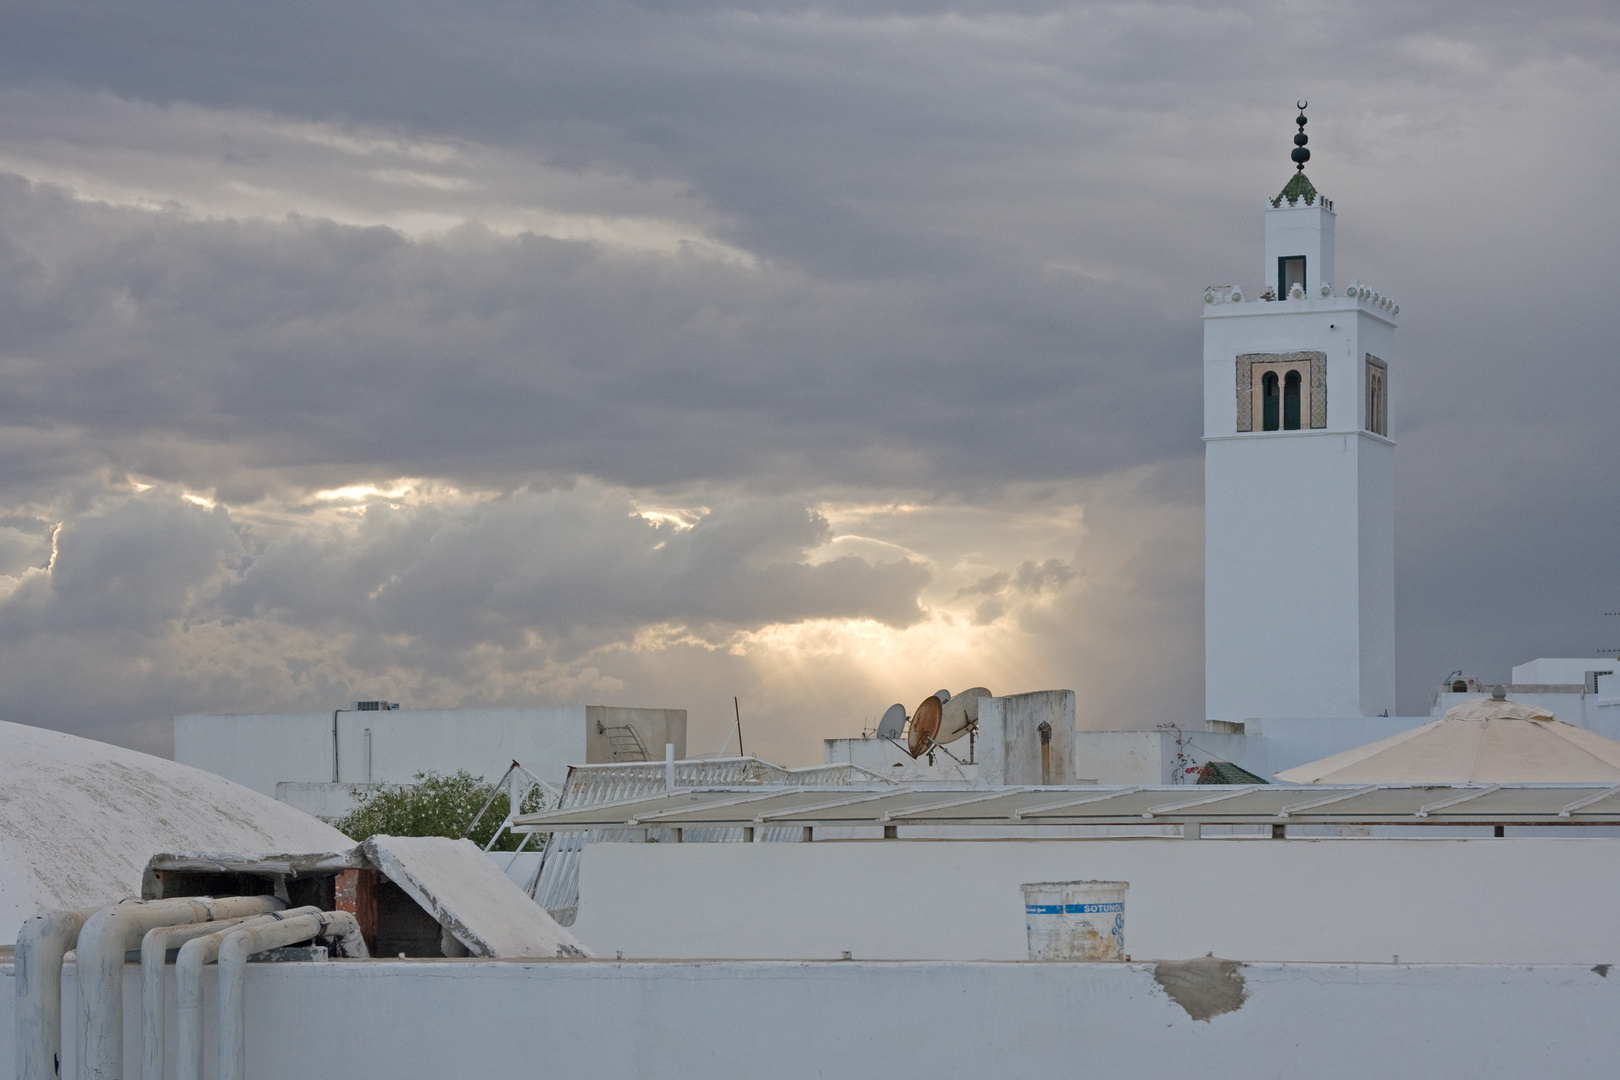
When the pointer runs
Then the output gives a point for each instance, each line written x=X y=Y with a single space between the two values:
x=263 y=750
x=1364 y=900
x=791 y=1021
x=1559 y=670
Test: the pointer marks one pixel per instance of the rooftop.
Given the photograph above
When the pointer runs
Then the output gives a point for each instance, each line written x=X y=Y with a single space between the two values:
x=1016 y=807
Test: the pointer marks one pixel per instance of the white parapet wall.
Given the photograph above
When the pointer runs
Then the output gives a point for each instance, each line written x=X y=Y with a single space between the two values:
x=1489 y=900
x=1171 y=755
x=359 y=748
x=698 y=1021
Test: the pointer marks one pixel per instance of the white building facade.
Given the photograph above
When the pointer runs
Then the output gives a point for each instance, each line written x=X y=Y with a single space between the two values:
x=316 y=761
x=1299 y=471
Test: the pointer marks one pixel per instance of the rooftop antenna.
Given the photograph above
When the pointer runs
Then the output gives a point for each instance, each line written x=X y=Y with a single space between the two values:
x=1300 y=154
x=738 y=710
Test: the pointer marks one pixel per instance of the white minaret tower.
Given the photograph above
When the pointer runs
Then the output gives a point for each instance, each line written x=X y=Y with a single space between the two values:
x=1299 y=522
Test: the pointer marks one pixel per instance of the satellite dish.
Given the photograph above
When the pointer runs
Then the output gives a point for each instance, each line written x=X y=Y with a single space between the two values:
x=960 y=715
x=943 y=695
x=893 y=722
x=924 y=726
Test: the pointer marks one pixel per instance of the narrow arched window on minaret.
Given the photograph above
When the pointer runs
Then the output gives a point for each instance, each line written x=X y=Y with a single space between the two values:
x=1291 y=402
x=1299 y=476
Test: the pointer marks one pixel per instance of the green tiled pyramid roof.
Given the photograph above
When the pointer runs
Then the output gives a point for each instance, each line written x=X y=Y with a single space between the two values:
x=1216 y=771
x=1299 y=187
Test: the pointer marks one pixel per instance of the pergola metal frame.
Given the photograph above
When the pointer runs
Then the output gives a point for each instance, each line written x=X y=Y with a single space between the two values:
x=1015 y=808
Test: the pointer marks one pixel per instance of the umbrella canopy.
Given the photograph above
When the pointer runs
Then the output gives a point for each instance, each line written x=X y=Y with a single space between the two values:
x=1484 y=741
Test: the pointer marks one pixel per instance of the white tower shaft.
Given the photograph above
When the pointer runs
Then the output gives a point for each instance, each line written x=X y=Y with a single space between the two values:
x=1299 y=488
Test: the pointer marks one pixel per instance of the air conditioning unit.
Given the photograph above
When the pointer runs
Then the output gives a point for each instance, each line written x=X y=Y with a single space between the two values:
x=374 y=706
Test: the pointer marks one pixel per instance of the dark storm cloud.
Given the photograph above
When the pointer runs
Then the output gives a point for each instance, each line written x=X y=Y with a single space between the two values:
x=302 y=345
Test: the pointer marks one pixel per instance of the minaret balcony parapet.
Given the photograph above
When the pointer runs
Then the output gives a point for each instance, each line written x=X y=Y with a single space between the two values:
x=1368 y=295
x=1224 y=300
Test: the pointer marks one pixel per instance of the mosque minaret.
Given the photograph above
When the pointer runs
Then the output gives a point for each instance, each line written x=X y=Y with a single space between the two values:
x=1299 y=471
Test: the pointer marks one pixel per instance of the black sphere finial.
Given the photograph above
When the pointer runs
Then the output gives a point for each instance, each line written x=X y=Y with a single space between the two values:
x=1300 y=154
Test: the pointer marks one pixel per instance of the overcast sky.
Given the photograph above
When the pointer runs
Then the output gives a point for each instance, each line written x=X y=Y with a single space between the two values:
x=655 y=353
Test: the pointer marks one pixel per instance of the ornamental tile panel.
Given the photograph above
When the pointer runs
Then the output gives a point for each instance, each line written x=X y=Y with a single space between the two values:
x=1317 y=362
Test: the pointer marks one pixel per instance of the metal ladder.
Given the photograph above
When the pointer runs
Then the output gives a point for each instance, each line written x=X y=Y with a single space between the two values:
x=624 y=744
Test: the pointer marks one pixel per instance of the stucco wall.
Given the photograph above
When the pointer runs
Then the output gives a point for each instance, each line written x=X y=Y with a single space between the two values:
x=1443 y=901
x=1300 y=229
x=654 y=727
x=1119 y=758
x=263 y=750
x=1299 y=565
x=1009 y=743
x=785 y=1021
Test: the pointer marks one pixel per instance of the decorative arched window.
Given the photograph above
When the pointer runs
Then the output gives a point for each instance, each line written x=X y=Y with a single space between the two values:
x=1281 y=391
x=1269 y=402
x=1377 y=396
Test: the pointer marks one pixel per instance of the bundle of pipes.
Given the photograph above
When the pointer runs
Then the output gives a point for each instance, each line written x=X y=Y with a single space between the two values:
x=229 y=929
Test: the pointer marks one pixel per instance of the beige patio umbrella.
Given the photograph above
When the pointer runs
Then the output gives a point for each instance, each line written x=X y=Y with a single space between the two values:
x=1485 y=741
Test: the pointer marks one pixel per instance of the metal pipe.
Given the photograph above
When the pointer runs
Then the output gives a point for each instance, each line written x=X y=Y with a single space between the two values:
x=155 y=948
x=335 y=746
x=255 y=937
x=41 y=944
x=195 y=955
x=1045 y=730
x=106 y=937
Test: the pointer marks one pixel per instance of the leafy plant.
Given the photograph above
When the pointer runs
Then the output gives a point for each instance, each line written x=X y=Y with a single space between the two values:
x=436 y=805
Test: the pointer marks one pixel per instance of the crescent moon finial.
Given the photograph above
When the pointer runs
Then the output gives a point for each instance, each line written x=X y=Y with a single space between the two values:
x=1303 y=105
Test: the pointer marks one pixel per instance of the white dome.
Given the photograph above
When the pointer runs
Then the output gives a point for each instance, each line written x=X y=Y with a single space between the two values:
x=79 y=819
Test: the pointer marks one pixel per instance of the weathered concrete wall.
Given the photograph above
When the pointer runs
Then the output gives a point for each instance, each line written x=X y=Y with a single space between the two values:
x=1009 y=746
x=673 y=1021
x=654 y=727
x=1445 y=901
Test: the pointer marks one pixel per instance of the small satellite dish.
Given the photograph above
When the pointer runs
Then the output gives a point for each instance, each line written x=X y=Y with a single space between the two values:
x=924 y=726
x=960 y=714
x=943 y=695
x=893 y=722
